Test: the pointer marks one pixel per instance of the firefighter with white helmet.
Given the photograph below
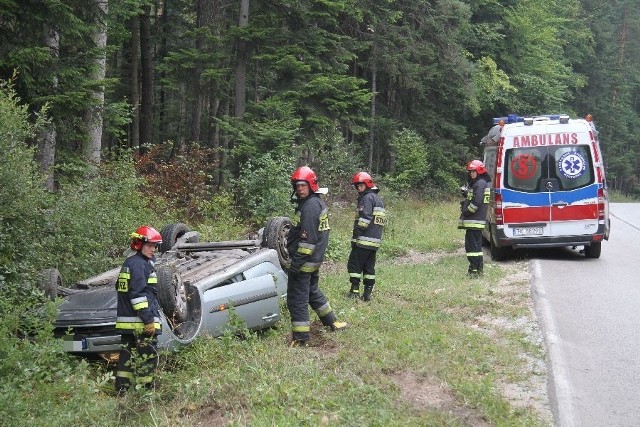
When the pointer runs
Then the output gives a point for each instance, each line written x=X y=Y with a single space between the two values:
x=368 y=225
x=307 y=242
x=138 y=313
x=473 y=214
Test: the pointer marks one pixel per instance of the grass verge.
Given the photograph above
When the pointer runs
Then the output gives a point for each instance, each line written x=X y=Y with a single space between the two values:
x=432 y=348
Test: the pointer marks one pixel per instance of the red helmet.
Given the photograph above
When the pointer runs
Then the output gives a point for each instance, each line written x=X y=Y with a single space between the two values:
x=476 y=165
x=363 y=177
x=144 y=234
x=305 y=173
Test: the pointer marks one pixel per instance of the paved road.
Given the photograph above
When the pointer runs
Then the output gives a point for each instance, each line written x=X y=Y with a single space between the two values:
x=589 y=311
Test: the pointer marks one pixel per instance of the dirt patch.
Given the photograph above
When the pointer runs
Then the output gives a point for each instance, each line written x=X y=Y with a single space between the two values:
x=425 y=393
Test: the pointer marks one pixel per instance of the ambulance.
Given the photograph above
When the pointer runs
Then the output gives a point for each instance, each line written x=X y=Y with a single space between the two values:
x=548 y=185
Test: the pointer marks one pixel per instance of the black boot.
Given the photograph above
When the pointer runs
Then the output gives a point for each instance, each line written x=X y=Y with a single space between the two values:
x=367 y=293
x=354 y=292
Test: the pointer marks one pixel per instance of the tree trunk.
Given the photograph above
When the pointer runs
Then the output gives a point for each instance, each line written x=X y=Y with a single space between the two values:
x=197 y=93
x=241 y=64
x=93 y=116
x=47 y=140
x=134 y=82
x=223 y=151
x=372 y=136
x=146 y=92
x=623 y=40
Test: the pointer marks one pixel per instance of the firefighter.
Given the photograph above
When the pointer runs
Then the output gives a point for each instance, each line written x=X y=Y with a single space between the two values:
x=307 y=242
x=367 y=236
x=473 y=214
x=138 y=316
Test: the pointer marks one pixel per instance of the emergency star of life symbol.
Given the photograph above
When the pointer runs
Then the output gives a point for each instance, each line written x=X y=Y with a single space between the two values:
x=523 y=166
x=571 y=164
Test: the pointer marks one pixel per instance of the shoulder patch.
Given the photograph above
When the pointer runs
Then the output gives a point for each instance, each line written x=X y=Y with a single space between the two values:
x=304 y=234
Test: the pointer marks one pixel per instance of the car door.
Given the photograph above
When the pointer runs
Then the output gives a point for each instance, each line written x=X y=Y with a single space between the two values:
x=574 y=204
x=254 y=300
x=525 y=193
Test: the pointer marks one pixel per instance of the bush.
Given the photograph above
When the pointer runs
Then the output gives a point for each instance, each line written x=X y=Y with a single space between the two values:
x=263 y=189
x=21 y=187
x=88 y=226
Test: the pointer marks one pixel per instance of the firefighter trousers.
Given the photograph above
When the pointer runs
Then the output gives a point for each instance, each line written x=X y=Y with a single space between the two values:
x=303 y=291
x=473 y=249
x=361 y=266
x=137 y=362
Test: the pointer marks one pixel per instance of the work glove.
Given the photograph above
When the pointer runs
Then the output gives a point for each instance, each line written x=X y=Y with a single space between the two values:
x=149 y=329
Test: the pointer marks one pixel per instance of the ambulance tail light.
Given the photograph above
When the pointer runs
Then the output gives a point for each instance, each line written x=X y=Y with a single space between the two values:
x=601 y=204
x=497 y=209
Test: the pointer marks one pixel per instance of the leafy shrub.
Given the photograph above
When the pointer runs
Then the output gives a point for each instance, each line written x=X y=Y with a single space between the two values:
x=21 y=187
x=412 y=160
x=182 y=180
x=88 y=226
x=262 y=189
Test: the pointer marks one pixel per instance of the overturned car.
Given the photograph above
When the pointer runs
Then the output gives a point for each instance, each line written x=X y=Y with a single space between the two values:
x=199 y=284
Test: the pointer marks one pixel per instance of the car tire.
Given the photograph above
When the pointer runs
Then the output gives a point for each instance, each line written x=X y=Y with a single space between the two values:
x=275 y=237
x=593 y=250
x=498 y=253
x=50 y=282
x=172 y=294
x=170 y=234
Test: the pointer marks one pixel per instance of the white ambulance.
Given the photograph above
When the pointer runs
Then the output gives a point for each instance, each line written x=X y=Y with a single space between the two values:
x=548 y=185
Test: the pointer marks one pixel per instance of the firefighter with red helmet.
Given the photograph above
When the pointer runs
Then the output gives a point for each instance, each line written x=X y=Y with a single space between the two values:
x=367 y=235
x=473 y=214
x=307 y=242
x=138 y=313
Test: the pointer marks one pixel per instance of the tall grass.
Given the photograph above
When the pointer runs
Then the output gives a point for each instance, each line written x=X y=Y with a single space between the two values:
x=432 y=348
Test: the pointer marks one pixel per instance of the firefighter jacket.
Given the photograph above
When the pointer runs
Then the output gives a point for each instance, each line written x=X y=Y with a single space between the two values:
x=309 y=235
x=137 y=295
x=369 y=221
x=474 y=207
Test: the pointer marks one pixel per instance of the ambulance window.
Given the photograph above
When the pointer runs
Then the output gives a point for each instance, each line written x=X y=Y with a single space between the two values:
x=573 y=166
x=523 y=168
x=490 y=155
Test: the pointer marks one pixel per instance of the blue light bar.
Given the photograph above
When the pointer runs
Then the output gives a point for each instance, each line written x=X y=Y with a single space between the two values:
x=514 y=118
x=511 y=118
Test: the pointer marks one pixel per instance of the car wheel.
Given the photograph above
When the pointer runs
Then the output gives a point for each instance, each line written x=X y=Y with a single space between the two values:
x=50 y=282
x=170 y=234
x=593 y=250
x=275 y=237
x=498 y=253
x=172 y=294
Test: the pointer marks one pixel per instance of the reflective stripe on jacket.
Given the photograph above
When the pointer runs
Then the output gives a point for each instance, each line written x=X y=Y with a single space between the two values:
x=137 y=295
x=309 y=236
x=473 y=213
x=369 y=221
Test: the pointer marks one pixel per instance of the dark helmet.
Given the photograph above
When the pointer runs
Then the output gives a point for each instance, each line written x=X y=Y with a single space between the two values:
x=476 y=165
x=144 y=234
x=305 y=173
x=364 y=178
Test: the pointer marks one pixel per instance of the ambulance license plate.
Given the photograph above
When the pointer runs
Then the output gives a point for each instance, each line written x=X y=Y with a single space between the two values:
x=527 y=231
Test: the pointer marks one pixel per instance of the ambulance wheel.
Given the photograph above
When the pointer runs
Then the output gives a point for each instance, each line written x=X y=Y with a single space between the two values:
x=593 y=250
x=172 y=294
x=498 y=253
x=275 y=237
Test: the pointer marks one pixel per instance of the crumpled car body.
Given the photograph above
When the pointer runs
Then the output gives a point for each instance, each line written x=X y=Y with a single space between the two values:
x=201 y=288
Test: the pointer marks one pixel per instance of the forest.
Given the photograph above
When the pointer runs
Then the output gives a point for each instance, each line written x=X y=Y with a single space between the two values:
x=404 y=89
x=118 y=112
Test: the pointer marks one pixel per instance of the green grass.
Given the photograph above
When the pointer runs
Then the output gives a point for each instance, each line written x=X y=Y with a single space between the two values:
x=432 y=348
